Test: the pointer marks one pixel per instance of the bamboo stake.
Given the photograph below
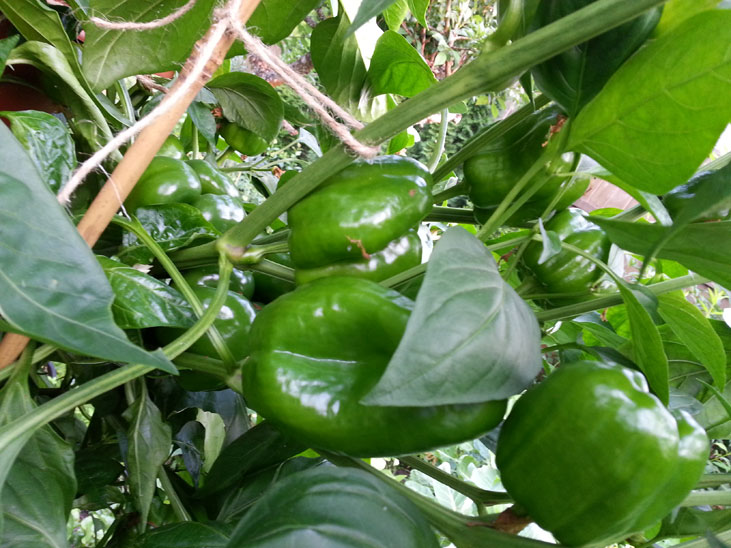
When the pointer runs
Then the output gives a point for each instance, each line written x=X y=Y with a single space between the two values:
x=138 y=156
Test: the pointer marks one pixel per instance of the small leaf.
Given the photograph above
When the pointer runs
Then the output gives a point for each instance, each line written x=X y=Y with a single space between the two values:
x=250 y=102
x=695 y=331
x=48 y=142
x=6 y=46
x=190 y=439
x=551 y=243
x=51 y=285
x=142 y=301
x=418 y=10
x=664 y=109
x=470 y=338
x=396 y=67
x=149 y=440
x=274 y=20
x=334 y=507
x=368 y=10
x=188 y=534
x=691 y=522
x=395 y=14
x=647 y=345
x=202 y=118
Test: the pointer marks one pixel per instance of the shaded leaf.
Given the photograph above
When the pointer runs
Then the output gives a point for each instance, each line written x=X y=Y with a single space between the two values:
x=97 y=467
x=688 y=522
x=190 y=440
x=336 y=508
x=551 y=243
x=190 y=534
x=368 y=10
x=418 y=10
x=109 y=55
x=663 y=110
x=48 y=142
x=470 y=338
x=396 y=67
x=696 y=332
x=6 y=46
x=51 y=285
x=201 y=116
x=143 y=301
x=250 y=102
x=274 y=20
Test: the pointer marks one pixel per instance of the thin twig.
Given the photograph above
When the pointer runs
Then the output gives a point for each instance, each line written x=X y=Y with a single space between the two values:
x=157 y=23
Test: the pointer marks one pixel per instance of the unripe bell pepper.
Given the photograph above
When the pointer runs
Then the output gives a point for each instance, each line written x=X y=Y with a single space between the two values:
x=593 y=457
x=567 y=272
x=172 y=148
x=165 y=181
x=318 y=350
x=222 y=211
x=241 y=281
x=359 y=212
x=212 y=180
x=243 y=140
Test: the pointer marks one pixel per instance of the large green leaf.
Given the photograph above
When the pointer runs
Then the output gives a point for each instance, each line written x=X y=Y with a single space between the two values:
x=113 y=54
x=704 y=248
x=51 y=285
x=470 y=338
x=150 y=440
x=273 y=20
x=662 y=112
x=46 y=463
x=396 y=67
x=333 y=508
x=142 y=301
x=696 y=332
x=676 y=11
x=188 y=534
x=48 y=141
x=249 y=101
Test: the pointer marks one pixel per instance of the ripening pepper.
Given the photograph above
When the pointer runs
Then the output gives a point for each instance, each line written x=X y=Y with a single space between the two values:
x=212 y=180
x=567 y=272
x=243 y=140
x=574 y=77
x=315 y=352
x=492 y=173
x=355 y=222
x=165 y=181
x=593 y=457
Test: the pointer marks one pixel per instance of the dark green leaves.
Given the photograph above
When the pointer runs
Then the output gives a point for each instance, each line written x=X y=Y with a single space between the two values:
x=367 y=11
x=274 y=20
x=6 y=46
x=113 y=54
x=187 y=534
x=143 y=301
x=48 y=142
x=334 y=508
x=51 y=286
x=662 y=112
x=470 y=338
x=250 y=102
x=396 y=67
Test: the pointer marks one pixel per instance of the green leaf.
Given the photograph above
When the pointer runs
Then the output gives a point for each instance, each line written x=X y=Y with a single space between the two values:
x=48 y=142
x=333 y=507
x=470 y=338
x=396 y=67
x=142 y=301
x=202 y=118
x=660 y=115
x=696 y=332
x=171 y=225
x=399 y=142
x=46 y=462
x=149 y=439
x=708 y=194
x=395 y=14
x=551 y=243
x=647 y=348
x=676 y=11
x=113 y=54
x=418 y=10
x=188 y=534
x=691 y=247
x=274 y=20
x=338 y=61
x=368 y=10
x=51 y=285
x=250 y=102
x=687 y=522
x=6 y=46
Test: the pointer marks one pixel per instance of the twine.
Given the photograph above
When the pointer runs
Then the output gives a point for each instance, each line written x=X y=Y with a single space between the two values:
x=157 y=23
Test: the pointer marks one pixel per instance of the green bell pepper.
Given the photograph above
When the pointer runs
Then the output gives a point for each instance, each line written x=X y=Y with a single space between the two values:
x=165 y=181
x=172 y=147
x=359 y=212
x=241 y=282
x=574 y=77
x=268 y=287
x=222 y=211
x=567 y=272
x=593 y=457
x=709 y=188
x=317 y=351
x=212 y=180
x=242 y=140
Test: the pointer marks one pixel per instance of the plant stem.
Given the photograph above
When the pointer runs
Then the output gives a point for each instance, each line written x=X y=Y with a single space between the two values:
x=175 y=503
x=707 y=498
x=128 y=108
x=713 y=480
x=273 y=269
x=439 y=148
x=456 y=190
x=451 y=215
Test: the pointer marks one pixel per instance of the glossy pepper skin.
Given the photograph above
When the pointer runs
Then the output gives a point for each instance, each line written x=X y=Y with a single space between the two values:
x=574 y=77
x=243 y=140
x=568 y=272
x=212 y=180
x=233 y=323
x=493 y=172
x=165 y=181
x=593 y=457
x=359 y=212
x=172 y=148
x=241 y=282
x=267 y=287
x=318 y=350
x=223 y=212
x=707 y=187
